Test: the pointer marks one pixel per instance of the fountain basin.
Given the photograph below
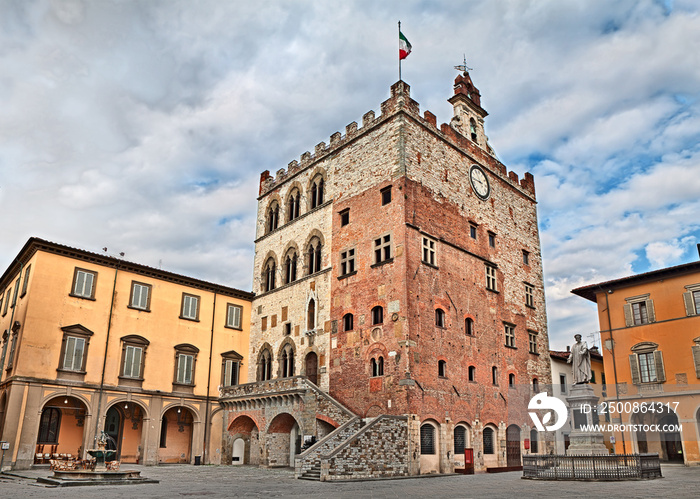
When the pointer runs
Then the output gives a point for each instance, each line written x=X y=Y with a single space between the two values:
x=72 y=478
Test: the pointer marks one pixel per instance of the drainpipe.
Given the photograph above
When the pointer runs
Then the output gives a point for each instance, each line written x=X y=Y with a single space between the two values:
x=104 y=360
x=206 y=407
x=612 y=345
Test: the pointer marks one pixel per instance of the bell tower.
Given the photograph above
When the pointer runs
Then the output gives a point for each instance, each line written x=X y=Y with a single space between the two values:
x=469 y=116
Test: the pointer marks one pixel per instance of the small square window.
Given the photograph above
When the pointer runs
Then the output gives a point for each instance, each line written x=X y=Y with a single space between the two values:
x=287 y=329
x=140 y=296
x=345 y=217
x=84 y=283
x=386 y=195
x=526 y=257
x=472 y=231
x=492 y=239
x=190 y=307
x=233 y=316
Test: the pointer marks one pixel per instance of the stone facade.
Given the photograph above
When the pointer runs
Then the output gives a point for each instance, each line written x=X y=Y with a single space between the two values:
x=427 y=297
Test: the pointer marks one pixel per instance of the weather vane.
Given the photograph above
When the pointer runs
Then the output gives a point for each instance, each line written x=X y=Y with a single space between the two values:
x=464 y=67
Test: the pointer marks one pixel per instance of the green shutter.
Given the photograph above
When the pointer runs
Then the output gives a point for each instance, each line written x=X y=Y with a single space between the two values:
x=128 y=360
x=136 y=366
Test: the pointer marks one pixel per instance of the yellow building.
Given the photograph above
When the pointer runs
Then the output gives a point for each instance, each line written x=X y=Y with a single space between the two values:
x=92 y=342
x=650 y=333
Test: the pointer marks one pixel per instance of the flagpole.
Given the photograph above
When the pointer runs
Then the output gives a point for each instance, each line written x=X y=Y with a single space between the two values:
x=399 y=51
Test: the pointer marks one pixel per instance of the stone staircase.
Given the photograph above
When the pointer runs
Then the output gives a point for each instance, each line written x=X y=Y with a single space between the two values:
x=307 y=465
x=313 y=473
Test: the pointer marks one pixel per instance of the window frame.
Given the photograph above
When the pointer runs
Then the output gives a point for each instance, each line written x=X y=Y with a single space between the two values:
x=471 y=374
x=645 y=307
x=385 y=195
x=149 y=289
x=45 y=427
x=232 y=324
x=348 y=262
x=133 y=341
x=235 y=361
x=182 y=307
x=440 y=318
x=25 y=282
x=469 y=326
x=429 y=251
x=77 y=332
x=427 y=441
x=74 y=284
x=382 y=249
x=377 y=313
x=442 y=369
x=509 y=333
x=185 y=350
x=529 y=295
x=348 y=318
x=489 y=448
x=526 y=257
x=473 y=230
x=491 y=278
x=492 y=239
x=532 y=341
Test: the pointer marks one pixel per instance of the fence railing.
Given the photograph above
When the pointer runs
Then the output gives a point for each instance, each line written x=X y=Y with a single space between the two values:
x=604 y=467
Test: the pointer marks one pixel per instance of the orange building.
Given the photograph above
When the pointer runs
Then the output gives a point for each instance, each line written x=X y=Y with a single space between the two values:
x=650 y=332
x=91 y=342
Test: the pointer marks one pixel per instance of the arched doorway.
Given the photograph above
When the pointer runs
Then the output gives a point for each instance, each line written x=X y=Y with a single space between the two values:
x=124 y=424
x=513 y=445
x=176 y=436
x=429 y=447
x=284 y=440
x=245 y=448
x=672 y=446
x=61 y=428
x=113 y=429
x=311 y=366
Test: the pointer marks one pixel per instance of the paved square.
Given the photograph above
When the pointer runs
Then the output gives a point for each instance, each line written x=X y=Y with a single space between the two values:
x=245 y=481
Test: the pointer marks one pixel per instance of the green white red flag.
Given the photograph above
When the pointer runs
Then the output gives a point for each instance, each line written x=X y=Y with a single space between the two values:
x=404 y=47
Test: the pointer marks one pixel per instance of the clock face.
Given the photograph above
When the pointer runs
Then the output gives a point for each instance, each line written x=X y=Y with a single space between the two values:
x=479 y=181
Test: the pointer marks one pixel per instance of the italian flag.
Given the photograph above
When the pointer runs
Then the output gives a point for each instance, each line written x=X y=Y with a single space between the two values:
x=404 y=47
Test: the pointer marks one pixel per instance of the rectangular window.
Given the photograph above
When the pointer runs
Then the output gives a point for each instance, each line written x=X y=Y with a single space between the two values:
x=526 y=257
x=231 y=372
x=84 y=283
x=14 y=298
x=510 y=335
x=386 y=195
x=533 y=341
x=696 y=300
x=639 y=312
x=491 y=278
x=529 y=295
x=344 y=217
x=287 y=328
x=472 y=231
x=190 y=307
x=492 y=239
x=233 y=316
x=347 y=261
x=73 y=356
x=488 y=441
x=428 y=251
x=25 y=284
x=184 y=369
x=382 y=248
x=140 y=295
x=562 y=383
x=647 y=367
x=132 y=361
x=8 y=296
x=592 y=380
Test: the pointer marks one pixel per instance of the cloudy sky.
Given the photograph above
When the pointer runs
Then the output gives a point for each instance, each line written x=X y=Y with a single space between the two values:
x=143 y=126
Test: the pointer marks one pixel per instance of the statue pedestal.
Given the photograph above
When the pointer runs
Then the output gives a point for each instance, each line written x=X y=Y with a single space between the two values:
x=582 y=412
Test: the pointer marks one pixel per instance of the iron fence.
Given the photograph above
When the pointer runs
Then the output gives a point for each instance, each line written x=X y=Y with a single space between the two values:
x=603 y=467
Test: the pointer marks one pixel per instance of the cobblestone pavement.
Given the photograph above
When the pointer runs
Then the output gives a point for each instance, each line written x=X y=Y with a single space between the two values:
x=245 y=481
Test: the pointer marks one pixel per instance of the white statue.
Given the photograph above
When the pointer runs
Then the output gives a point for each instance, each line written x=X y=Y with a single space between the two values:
x=580 y=358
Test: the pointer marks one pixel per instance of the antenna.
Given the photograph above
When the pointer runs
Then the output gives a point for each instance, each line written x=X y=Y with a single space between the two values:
x=464 y=67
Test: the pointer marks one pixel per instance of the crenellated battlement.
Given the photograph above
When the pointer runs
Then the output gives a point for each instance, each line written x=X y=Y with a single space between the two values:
x=399 y=101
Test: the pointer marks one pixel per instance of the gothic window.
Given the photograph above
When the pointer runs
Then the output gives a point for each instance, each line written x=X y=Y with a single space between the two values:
x=469 y=326
x=427 y=439
x=293 y=205
x=460 y=439
x=311 y=315
x=377 y=315
x=273 y=214
x=290 y=266
x=472 y=373
x=488 y=440
x=472 y=129
x=317 y=192
x=268 y=275
x=313 y=255
x=377 y=366
x=347 y=322
x=265 y=366
x=439 y=317
x=287 y=361
x=48 y=426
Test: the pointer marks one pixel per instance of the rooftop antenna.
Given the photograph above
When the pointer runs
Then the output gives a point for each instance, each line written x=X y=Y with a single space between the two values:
x=464 y=67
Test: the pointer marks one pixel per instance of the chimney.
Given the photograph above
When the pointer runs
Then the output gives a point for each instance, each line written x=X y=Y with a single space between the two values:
x=568 y=348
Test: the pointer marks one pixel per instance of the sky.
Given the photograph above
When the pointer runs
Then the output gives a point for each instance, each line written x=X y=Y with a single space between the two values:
x=143 y=126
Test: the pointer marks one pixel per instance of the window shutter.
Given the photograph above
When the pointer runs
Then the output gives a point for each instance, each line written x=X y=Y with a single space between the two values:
x=78 y=354
x=181 y=368
x=696 y=358
x=68 y=356
x=136 y=366
x=188 y=369
x=128 y=360
x=634 y=368
x=227 y=373
x=689 y=304
x=660 y=373
x=629 y=318
x=650 y=311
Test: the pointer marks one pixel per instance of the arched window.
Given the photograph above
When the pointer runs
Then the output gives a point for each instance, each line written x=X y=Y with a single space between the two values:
x=472 y=129
x=494 y=375
x=314 y=255
x=427 y=439
x=488 y=440
x=439 y=317
x=511 y=380
x=442 y=368
x=377 y=366
x=377 y=315
x=273 y=215
x=472 y=373
x=290 y=266
x=317 y=192
x=268 y=275
x=347 y=322
x=265 y=367
x=535 y=385
x=469 y=326
x=49 y=425
x=460 y=440
x=287 y=361
x=311 y=315
x=293 y=205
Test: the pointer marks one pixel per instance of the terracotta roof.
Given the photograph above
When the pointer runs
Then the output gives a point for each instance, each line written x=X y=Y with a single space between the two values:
x=589 y=291
x=565 y=355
